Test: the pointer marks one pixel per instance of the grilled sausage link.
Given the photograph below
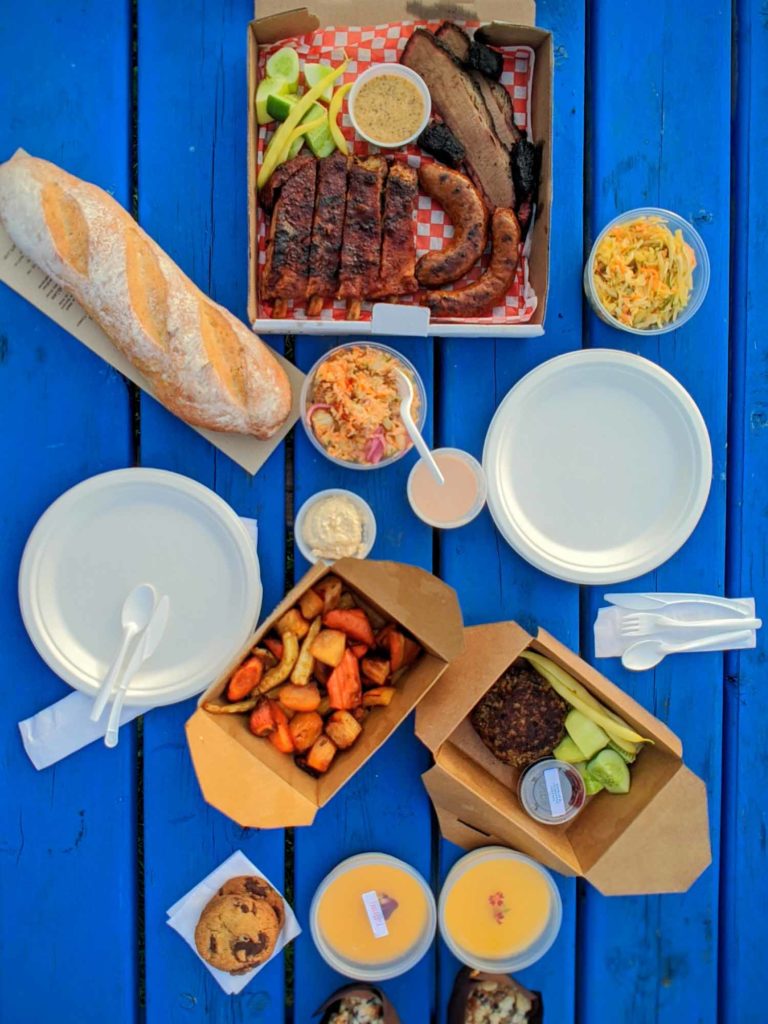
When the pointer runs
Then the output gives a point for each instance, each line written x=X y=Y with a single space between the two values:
x=489 y=290
x=466 y=209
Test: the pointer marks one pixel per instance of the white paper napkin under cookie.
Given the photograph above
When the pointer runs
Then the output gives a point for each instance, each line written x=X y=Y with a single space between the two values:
x=64 y=727
x=185 y=913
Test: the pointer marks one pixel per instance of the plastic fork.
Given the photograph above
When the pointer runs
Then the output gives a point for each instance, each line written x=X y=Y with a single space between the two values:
x=646 y=623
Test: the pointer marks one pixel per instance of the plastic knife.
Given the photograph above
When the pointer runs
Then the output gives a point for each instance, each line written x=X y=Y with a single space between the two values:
x=655 y=602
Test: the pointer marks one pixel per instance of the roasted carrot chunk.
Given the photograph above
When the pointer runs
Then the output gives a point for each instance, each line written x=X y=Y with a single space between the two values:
x=299 y=698
x=382 y=637
x=281 y=737
x=376 y=670
x=343 y=729
x=245 y=679
x=396 y=643
x=328 y=646
x=275 y=647
x=311 y=604
x=292 y=622
x=321 y=672
x=360 y=650
x=411 y=652
x=344 y=687
x=378 y=697
x=261 y=722
x=305 y=728
x=320 y=755
x=352 y=621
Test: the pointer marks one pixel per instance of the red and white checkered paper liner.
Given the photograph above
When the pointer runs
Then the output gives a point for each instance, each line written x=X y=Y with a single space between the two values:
x=385 y=43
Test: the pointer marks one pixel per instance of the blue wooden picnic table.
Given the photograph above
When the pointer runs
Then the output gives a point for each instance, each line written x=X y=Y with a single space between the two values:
x=665 y=105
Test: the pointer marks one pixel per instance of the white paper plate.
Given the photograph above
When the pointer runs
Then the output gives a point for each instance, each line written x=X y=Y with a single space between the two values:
x=100 y=539
x=599 y=466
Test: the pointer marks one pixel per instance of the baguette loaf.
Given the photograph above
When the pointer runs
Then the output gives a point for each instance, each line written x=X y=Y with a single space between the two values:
x=201 y=362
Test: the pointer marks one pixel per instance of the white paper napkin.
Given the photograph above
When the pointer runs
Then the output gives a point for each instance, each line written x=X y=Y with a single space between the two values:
x=64 y=727
x=609 y=643
x=185 y=913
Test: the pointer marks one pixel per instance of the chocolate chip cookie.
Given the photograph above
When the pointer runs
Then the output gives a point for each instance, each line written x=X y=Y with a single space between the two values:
x=259 y=889
x=236 y=933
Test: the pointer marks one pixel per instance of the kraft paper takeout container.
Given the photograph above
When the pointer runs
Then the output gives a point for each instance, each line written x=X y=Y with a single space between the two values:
x=505 y=23
x=250 y=781
x=653 y=839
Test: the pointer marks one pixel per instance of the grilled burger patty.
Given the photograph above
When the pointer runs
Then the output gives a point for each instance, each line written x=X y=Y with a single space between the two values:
x=521 y=718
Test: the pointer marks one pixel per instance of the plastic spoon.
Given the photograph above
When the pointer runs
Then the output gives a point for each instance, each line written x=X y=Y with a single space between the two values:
x=648 y=653
x=405 y=390
x=144 y=649
x=137 y=611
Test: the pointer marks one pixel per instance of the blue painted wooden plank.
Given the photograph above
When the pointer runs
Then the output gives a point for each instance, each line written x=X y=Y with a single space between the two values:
x=651 y=119
x=493 y=582
x=384 y=807
x=192 y=199
x=67 y=833
x=743 y=933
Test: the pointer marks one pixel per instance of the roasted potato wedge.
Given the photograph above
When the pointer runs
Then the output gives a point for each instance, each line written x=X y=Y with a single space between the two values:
x=292 y=622
x=329 y=646
x=266 y=656
x=378 y=696
x=231 y=709
x=302 y=670
x=320 y=755
x=299 y=698
x=343 y=729
x=329 y=589
x=305 y=728
x=375 y=670
x=311 y=604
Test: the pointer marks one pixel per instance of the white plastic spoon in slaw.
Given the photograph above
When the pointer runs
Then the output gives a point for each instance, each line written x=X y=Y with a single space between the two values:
x=405 y=391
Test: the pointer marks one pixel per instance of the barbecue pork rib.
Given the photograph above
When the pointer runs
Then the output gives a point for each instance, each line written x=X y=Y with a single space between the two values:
x=398 y=246
x=292 y=200
x=327 y=230
x=361 y=246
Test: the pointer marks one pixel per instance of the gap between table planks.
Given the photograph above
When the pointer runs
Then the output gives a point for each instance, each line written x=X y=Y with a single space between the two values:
x=63 y=863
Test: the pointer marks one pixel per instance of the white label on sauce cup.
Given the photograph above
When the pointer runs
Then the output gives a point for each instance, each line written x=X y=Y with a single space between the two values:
x=375 y=914
x=554 y=792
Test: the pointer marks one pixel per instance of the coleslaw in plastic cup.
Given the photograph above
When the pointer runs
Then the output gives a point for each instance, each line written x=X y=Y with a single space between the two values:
x=635 y=288
x=350 y=408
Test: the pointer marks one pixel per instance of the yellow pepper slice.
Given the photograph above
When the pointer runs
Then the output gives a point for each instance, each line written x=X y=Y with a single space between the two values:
x=296 y=134
x=334 y=109
x=276 y=145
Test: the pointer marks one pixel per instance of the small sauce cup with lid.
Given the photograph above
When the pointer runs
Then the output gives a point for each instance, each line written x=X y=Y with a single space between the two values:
x=552 y=791
x=456 y=502
x=373 y=917
x=499 y=911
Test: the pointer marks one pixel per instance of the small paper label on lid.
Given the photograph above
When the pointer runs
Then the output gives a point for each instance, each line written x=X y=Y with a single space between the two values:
x=554 y=792
x=375 y=914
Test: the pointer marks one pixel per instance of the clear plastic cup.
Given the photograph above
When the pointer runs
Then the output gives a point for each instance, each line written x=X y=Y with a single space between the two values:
x=477 y=506
x=389 y=968
x=700 y=274
x=366 y=513
x=305 y=404
x=523 y=958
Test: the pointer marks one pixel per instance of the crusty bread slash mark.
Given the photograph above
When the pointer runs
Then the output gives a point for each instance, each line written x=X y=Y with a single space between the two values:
x=147 y=288
x=224 y=350
x=67 y=225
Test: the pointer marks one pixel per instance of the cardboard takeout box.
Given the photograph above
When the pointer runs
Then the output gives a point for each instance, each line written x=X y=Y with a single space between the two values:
x=506 y=23
x=653 y=839
x=250 y=781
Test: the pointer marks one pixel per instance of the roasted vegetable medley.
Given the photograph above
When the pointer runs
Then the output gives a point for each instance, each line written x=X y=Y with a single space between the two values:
x=327 y=663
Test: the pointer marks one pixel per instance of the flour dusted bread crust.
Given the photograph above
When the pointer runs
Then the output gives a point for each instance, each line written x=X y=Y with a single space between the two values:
x=202 y=363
